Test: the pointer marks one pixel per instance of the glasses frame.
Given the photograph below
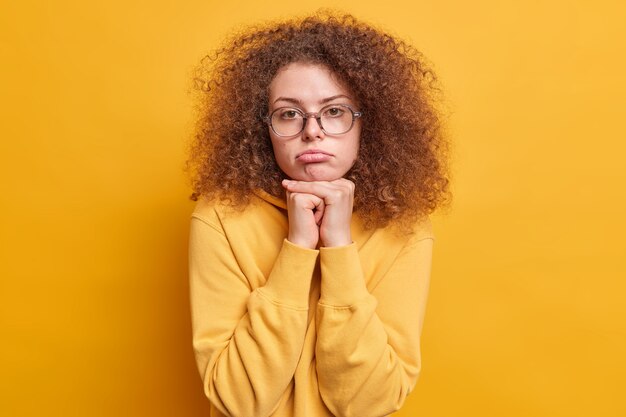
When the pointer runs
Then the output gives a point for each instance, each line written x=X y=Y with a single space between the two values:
x=317 y=115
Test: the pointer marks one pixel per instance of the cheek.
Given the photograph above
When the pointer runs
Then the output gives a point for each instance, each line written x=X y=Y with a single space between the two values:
x=356 y=139
x=353 y=148
x=281 y=154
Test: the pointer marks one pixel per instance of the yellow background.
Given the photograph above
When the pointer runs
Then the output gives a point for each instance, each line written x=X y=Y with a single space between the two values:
x=526 y=315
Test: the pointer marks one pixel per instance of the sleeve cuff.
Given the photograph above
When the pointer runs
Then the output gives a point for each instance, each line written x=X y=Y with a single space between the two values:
x=289 y=282
x=343 y=283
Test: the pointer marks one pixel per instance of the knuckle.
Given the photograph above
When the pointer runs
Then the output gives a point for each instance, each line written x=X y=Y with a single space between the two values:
x=338 y=193
x=295 y=198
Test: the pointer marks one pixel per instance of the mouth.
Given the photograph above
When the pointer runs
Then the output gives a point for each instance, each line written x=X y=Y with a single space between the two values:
x=313 y=152
x=313 y=156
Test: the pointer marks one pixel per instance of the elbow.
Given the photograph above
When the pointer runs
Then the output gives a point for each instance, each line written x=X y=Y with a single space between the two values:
x=339 y=409
x=365 y=409
x=235 y=403
x=370 y=399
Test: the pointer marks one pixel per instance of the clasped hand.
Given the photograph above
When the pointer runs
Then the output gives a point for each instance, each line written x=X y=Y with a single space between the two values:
x=319 y=212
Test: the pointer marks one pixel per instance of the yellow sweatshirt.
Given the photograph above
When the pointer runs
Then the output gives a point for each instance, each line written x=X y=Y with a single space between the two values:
x=281 y=330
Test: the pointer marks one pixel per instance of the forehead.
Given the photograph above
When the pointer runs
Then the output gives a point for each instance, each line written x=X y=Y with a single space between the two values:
x=305 y=82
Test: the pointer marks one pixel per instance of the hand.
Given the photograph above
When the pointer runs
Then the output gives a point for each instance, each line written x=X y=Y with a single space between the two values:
x=334 y=208
x=305 y=214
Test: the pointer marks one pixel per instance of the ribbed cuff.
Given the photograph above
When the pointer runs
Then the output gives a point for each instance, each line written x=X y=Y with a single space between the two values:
x=343 y=283
x=289 y=282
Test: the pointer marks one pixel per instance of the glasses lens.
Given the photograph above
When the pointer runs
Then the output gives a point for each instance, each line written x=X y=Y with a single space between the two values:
x=336 y=119
x=287 y=121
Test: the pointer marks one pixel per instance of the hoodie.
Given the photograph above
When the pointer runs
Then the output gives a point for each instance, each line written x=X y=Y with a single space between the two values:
x=282 y=330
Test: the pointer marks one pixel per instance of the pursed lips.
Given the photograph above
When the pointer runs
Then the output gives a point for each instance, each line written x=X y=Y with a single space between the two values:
x=313 y=155
x=313 y=151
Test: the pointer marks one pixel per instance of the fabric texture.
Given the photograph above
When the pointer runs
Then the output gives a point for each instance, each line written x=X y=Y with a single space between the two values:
x=281 y=330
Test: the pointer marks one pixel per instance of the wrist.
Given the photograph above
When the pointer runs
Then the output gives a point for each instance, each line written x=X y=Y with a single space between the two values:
x=304 y=243
x=334 y=242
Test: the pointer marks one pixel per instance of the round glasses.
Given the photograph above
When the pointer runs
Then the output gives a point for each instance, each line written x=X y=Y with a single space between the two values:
x=334 y=119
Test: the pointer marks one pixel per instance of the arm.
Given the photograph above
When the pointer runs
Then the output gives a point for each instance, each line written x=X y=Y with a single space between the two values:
x=247 y=342
x=367 y=352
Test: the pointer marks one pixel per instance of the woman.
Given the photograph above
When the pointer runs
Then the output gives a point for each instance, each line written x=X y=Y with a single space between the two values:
x=318 y=158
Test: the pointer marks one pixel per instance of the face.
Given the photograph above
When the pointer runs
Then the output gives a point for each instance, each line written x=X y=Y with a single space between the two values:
x=312 y=155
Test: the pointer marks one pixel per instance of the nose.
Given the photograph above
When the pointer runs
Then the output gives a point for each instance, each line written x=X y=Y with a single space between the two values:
x=312 y=129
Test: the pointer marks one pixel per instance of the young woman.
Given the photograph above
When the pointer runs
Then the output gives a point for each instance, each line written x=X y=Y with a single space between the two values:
x=317 y=160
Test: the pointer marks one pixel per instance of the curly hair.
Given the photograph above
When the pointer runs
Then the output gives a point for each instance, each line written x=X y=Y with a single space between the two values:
x=401 y=172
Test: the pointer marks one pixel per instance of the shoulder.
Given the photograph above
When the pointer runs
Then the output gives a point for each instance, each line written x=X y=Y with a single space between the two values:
x=405 y=235
x=421 y=229
x=206 y=211
x=213 y=211
x=217 y=212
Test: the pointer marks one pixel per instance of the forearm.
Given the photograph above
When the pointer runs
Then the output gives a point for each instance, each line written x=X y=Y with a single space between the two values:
x=248 y=374
x=359 y=373
x=247 y=341
x=367 y=350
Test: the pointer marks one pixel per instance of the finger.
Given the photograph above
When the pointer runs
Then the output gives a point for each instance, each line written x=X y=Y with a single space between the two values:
x=344 y=182
x=303 y=200
x=322 y=189
x=319 y=212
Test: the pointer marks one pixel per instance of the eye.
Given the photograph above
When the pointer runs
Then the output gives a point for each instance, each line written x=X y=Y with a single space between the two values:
x=334 y=112
x=289 y=114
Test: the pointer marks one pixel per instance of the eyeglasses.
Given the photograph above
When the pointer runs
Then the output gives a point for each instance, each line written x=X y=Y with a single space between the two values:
x=334 y=119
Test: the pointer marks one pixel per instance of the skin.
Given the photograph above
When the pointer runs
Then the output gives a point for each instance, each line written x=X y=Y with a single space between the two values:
x=319 y=199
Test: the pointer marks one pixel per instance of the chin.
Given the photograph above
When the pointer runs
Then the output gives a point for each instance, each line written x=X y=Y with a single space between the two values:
x=315 y=172
x=321 y=175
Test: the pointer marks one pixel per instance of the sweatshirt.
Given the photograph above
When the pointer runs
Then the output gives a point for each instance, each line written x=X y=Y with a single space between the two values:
x=285 y=331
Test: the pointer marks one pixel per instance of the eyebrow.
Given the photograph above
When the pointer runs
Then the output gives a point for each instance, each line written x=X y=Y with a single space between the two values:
x=322 y=101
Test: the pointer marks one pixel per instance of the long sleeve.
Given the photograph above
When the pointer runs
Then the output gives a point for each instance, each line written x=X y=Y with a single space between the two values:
x=247 y=341
x=368 y=346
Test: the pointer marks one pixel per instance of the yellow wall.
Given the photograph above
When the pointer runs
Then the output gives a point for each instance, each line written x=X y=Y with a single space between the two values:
x=526 y=314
